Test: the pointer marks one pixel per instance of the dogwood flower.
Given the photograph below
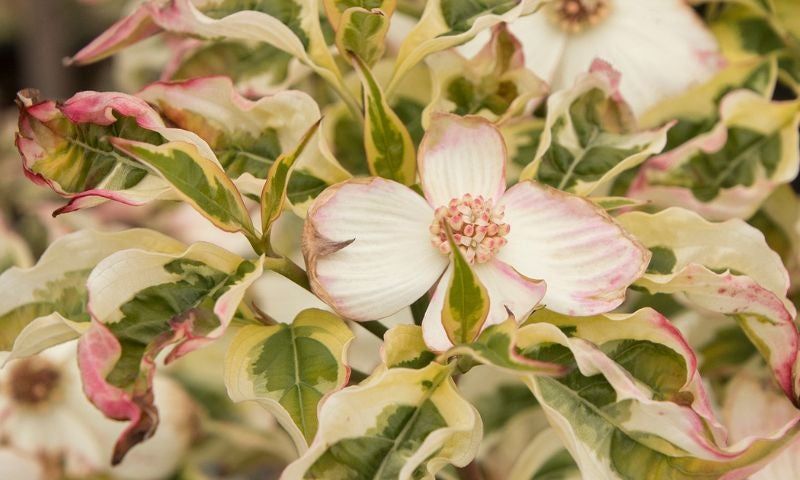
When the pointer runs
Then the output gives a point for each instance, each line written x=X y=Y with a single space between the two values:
x=373 y=246
x=45 y=415
x=660 y=46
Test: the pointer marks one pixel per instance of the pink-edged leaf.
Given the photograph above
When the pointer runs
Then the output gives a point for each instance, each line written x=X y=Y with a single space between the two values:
x=612 y=414
x=726 y=268
x=67 y=147
x=730 y=170
x=289 y=25
x=141 y=304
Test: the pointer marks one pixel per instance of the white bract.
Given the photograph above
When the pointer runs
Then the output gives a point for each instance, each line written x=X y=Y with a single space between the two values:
x=660 y=46
x=373 y=246
x=45 y=416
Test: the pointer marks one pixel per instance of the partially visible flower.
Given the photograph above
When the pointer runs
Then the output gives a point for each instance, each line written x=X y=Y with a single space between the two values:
x=373 y=246
x=18 y=465
x=753 y=406
x=660 y=46
x=45 y=415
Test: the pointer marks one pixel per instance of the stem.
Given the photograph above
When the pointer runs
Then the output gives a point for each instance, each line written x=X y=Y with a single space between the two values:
x=288 y=269
x=255 y=243
x=471 y=472
x=262 y=317
x=352 y=104
x=374 y=327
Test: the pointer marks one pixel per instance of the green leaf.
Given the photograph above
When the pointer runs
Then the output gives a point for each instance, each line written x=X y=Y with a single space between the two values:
x=67 y=146
x=390 y=150
x=43 y=305
x=404 y=347
x=466 y=303
x=501 y=405
x=460 y=15
x=589 y=137
x=615 y=203
x=633 y=403
x=247 y=136
x=248 y=65
x=336 y=8
x=410 y=424
x=730 y=170
x=362 y=33
x=288 y=369
x=726 y=353
x=697 y=110
x=499 y=346
x=273 y=196
x=662 y=260
x=143 y=303
x=197 y=179
x=494 y=83
x=447 y=23
x=726 y=268
x=304 y=187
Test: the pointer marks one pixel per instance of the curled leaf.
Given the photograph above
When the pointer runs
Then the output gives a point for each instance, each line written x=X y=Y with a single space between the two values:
x=142 y=303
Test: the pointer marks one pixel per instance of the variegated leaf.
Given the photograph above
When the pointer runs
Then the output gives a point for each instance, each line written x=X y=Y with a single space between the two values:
x=748 y=30
x=647 y=345
x=522 y=138
x=622 y=413
x=697 y=110
x=256 y=69
x=390 y=151
x=273 y=196
x=447 y=23
x=499 y=346
x=466 y=302
x=246 y=135
x=45 y=305
x=142 y=303
x=290 y=369
x=335 y=9
x=196 y=179
x=751 y=396
x=404 y=347
x=494 y=84
x=362 y=33
x=344 y=132
x=778 y=221
x=725 y=268
x=398 y=424
x=589 y=136
x=730 y=170
x=616 y=203
x=67 y=147
x=289 y=25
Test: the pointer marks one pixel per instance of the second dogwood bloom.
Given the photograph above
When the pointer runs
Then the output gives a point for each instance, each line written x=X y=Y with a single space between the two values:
x=374 y=246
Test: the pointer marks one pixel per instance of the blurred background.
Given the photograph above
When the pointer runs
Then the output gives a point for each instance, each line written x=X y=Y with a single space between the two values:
x=35 y=36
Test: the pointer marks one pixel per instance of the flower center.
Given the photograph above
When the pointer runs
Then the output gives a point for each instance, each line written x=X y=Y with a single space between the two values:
x=33 y=381
x=477 y=227
x=575 y=15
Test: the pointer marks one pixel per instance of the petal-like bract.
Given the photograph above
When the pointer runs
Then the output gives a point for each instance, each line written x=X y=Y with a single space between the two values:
x=368 y=250
x=461 y=155
x=586 y=259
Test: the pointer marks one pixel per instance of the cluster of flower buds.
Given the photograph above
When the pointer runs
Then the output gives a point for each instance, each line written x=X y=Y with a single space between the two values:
x=574 y=15
x=477 y=227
